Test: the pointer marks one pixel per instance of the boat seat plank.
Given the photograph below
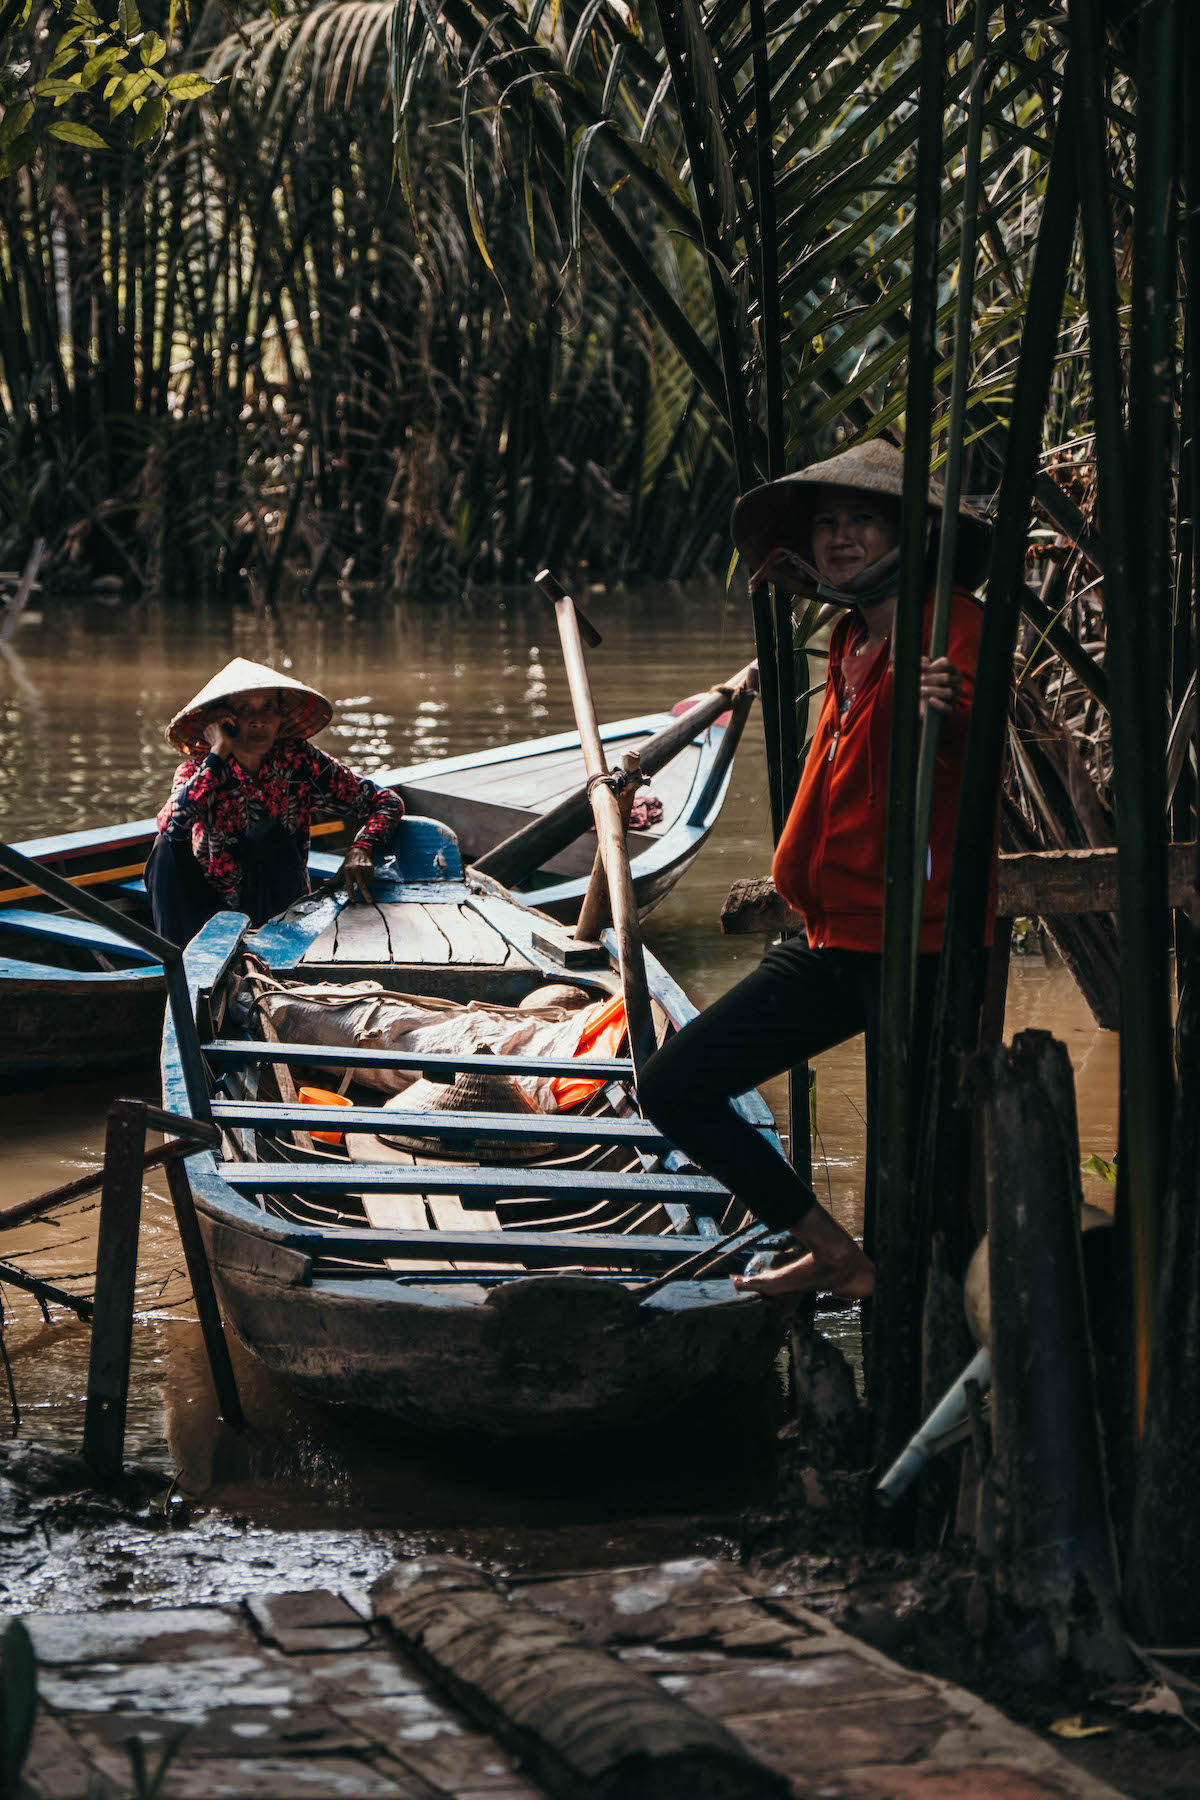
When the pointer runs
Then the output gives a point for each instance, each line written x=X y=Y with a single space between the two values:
x=526 y=782
x=481 y=1184
x=230 y=1052
x=453 y=1127
x=62 y=929
x=535 y=1249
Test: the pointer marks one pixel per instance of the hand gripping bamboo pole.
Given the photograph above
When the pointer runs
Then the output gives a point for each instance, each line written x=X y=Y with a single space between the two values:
x=594 y=913
x=606 y=810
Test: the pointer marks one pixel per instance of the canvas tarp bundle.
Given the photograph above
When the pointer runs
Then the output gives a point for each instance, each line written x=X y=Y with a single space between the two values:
x=365 y=1015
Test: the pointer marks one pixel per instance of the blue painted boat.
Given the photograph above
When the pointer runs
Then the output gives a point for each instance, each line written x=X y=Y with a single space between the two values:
x=77 y=1000
x=452 y=1270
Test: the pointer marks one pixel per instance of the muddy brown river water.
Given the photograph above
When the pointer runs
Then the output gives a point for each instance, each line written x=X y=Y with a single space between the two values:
x=83 y=698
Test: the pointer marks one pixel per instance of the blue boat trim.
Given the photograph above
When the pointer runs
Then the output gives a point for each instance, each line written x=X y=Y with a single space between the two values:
x=61 y=928
x=12 y=968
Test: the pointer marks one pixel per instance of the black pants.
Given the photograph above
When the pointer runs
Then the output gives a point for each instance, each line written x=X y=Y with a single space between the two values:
x=182 y=900
x=797 y=1003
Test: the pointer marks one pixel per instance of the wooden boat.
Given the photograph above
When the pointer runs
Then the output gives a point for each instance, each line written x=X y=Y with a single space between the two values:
x=76 y=998
x=488 y=1279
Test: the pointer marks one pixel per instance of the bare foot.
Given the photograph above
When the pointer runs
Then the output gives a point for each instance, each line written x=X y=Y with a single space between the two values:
x=850 y=1277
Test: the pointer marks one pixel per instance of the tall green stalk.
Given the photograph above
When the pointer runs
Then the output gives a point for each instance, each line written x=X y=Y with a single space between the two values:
x=946 y=1141
x=1132 y=487
x=955 y=434
x=901 y=1258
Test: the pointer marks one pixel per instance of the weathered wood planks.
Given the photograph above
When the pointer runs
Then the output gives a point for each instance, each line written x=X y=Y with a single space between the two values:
x=1034 y=883
x=400 y=932
x=585 y=1725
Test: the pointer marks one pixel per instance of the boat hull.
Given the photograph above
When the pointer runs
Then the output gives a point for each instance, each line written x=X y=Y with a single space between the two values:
x=490 y=1295
x=93 y=1021
x=57 y=1022
x=548 y=1357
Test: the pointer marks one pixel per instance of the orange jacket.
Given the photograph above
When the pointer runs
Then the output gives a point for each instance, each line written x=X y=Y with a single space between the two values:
x=829 y=860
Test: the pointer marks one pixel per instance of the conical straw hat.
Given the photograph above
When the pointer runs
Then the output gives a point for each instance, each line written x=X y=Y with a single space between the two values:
x=472 y=1090
x=305 y=712
x=777 y=515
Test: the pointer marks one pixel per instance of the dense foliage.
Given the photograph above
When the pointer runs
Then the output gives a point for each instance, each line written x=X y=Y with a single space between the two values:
x=255 y=343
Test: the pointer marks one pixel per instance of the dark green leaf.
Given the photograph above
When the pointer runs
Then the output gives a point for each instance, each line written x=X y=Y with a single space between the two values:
x=189 y=87
x=15 y=119
x=69 y=131
x=151 y=119
x=18 y=153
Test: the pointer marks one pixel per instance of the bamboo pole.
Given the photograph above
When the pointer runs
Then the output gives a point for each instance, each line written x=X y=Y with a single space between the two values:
x=1057 y=1547
x=899 y=1255
x=607 y=813
x=1136 y=640
x=931 y=723
x=16 y=605
x=944 y=1160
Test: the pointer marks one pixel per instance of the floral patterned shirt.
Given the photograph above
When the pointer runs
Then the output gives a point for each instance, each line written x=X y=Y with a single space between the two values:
x=214 y=804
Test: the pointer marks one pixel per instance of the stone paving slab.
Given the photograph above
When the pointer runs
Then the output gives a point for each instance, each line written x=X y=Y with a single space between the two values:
x=298 y=1694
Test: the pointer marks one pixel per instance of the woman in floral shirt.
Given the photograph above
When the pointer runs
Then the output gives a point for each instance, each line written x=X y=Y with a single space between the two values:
x=235 y=831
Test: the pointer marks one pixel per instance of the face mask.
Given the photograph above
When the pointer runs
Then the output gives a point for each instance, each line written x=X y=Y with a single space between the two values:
x=872 y=584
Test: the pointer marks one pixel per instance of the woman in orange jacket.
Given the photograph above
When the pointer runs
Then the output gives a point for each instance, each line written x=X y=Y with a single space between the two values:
x=832 y=531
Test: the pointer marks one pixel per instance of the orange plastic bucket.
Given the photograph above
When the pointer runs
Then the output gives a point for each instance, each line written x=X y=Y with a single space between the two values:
x=603 y=1028
x=311 y=1096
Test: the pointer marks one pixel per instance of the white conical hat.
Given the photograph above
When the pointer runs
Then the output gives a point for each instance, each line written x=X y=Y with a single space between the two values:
x=305 y=712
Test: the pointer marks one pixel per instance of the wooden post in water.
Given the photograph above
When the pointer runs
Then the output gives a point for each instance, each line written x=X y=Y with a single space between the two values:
x=1057 y=1561
x=125 y=1163
x=116 y=1273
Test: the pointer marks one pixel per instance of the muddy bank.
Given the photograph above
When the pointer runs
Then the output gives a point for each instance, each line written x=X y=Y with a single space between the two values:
x=67 y=1549
x=937 y=1613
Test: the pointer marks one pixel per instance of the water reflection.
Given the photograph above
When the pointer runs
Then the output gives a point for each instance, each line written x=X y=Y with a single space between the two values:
x=81 y=719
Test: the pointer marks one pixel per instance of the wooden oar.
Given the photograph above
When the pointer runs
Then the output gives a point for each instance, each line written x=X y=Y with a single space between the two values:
x=95 y=878
x=610 y=832
x=594 y=914
x=719 y=1251
x=515 y=858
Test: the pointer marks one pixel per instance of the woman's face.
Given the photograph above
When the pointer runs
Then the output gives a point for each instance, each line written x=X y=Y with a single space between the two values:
x=258 y=720
x=850 y=532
